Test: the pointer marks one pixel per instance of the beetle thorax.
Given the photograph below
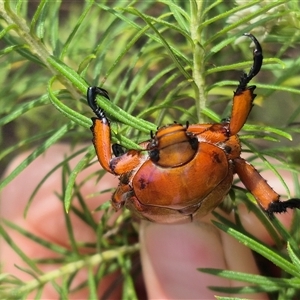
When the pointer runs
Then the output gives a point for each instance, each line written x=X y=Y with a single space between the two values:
x=172 y=146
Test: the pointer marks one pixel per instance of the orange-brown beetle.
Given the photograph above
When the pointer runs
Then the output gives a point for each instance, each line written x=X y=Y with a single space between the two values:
x=185 y=171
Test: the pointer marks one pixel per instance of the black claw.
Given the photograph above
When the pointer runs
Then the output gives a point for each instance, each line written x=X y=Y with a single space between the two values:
x=257 y=57
x=257 y=63
x=92 y=93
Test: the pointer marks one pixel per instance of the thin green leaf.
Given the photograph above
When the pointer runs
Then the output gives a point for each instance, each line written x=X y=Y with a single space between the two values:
x=37 y=152
x=268 y=165
x=294 y=255
x=269 y=283
x=23 y=108
x=19 y=251
x=93 y=290
x=75 y=30
x=227 y=13
x=48 y=245
x=277 y=131
x=44 y=179
x=4 y=31
x=68 y=112
x=242 y=66
x=74 y=173
x=181 y=16
x=258 y=247
x=247 y=18
x=163 y=41
x=106 y=105
x=37 y=21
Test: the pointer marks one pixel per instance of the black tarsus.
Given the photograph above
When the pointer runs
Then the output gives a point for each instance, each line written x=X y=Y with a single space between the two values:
x=92 y=93
x=281 y=206
x=257 y=57
x=257 y=63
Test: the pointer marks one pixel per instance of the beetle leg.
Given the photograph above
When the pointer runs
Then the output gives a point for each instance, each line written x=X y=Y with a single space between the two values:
x=266 y=197
x=242 y=104
x=124 y=161
x=257 y=63
x=100 y=128
x=244 y=96
x=255 y=183
x=92 y=93
x=119 y=196
x=281 y=206
x=127 y=161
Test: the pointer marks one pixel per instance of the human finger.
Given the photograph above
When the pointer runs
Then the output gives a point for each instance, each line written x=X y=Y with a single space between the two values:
x=46 y=217
x=172 y=254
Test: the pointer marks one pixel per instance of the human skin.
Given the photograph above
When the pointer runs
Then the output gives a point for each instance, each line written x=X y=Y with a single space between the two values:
x=170 y=254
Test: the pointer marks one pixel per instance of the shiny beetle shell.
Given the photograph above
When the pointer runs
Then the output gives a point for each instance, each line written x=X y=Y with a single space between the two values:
x=184 y=171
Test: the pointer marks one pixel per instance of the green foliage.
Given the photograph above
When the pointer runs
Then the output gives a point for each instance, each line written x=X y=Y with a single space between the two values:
x=160 y=61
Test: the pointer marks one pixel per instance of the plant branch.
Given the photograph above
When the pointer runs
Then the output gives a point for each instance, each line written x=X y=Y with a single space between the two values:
x=198 y=57
x=73 y=267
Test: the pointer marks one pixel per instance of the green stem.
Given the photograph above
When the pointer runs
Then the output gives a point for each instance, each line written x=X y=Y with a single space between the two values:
x=75 y=266
x=198 y=57
x=24 y=32
x=37 y=47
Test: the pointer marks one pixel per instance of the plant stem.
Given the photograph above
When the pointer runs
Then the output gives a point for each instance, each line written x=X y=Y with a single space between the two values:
x=23 y=31
x=198 y=57
x=73 y=267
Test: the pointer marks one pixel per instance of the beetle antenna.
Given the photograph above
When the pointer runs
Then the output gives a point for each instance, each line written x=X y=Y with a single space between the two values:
x=92 y=93
x=151 y=134
x=187 y=124
x=257 y=63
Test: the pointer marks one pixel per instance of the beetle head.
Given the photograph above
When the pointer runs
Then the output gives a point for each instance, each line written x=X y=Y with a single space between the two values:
x=172 y=146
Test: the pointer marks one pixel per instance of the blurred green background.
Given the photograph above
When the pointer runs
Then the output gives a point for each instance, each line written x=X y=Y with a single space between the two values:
x=161 y=61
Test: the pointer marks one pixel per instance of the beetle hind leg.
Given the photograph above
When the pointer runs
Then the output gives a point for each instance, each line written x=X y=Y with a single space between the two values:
x=265 y=196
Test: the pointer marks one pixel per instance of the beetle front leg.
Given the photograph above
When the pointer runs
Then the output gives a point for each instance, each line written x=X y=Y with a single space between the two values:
x=265 y=196
x=123 y=161
x=100 y=128
x=244 y=96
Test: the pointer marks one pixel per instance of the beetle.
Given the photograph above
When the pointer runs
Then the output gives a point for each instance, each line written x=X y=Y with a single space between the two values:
x=183 y=172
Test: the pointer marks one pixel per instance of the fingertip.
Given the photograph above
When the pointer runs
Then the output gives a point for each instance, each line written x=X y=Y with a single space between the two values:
x=171 y=256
